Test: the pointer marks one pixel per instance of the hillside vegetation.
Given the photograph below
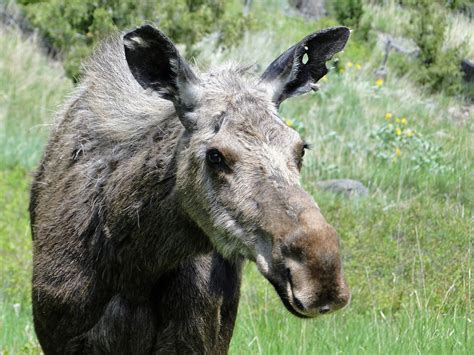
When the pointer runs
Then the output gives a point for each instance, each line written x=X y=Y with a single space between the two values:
x=407 y=245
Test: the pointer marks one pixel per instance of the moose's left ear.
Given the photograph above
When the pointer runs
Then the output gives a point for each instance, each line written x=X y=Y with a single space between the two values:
x=297 y=70
x=156 y=64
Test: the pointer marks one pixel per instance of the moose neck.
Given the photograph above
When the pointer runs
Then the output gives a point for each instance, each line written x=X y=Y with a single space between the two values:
x=149 y=212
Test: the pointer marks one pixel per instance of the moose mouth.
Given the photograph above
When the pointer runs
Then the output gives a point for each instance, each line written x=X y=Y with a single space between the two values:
x=289 y=300
x=284 y=289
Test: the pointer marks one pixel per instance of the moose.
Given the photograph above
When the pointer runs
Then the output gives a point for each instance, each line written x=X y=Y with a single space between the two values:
x=157 y=182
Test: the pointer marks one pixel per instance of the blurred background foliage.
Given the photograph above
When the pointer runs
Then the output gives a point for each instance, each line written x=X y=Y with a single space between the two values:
x=73 y=27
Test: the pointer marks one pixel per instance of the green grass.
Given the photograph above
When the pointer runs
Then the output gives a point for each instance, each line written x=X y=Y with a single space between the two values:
x=31 y=88
x=264 y=327
x=407 y=246
x=16 y=328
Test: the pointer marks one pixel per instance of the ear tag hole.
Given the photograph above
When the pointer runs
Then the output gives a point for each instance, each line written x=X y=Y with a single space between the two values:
x=305 y=58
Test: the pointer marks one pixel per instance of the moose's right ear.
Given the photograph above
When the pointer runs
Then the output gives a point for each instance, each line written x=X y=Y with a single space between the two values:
x=297 y=70
x=156 y=64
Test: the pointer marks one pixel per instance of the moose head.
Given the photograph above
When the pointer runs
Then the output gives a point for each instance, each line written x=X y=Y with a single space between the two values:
x=238 y=165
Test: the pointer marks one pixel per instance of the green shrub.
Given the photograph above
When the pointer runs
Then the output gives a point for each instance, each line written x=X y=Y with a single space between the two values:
x=444 y=73
x=464 y=6
x=348 y=12
x=351 y=13
x=428 y=31
x=395 y=141
x=73 y=27
x=438 y=67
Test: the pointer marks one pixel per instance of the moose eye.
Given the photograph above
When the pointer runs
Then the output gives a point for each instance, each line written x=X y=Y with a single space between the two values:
x=300 y=158
x=214 y=157
x=306 y=146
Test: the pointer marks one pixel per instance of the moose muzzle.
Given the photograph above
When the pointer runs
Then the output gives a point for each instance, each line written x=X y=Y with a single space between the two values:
x=305 y=265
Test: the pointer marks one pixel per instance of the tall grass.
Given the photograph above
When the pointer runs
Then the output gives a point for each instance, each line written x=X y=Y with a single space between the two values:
x=461 y=33
x=264 y=327
x=31 y=86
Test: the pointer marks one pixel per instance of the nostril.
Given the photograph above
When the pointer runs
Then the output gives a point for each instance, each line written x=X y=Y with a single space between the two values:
x=324 y=309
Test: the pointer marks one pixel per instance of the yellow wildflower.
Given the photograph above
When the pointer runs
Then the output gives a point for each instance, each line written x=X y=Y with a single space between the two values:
x=388 y=116
x=404 y=121
x=398 y=131
x=398 y=152
x=379 y=82
x=397 y=120
x=325 y=78
x=350 y=65
x=358 y=66
x=289 y=122
x=408 y=133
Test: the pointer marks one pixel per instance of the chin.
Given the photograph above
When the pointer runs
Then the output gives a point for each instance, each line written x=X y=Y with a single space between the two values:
x=293 y=311
x=281 y=291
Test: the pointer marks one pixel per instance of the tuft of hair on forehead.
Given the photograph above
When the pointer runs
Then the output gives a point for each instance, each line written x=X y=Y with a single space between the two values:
x=125 y=112
x=239 y=88
x=231 y=77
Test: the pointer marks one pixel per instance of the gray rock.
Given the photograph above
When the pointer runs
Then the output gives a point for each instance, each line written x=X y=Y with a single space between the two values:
x=346 y=187
x=312 y=9
x=460 y=115
x=401 y=45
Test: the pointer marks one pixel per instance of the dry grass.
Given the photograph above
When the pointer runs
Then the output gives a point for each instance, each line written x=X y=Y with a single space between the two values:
x=31 y=87
x=460 y=32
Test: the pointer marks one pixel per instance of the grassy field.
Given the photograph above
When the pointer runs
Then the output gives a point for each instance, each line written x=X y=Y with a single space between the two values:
x=407 y=246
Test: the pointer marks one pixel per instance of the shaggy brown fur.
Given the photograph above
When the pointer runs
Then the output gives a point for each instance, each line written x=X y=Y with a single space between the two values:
x=151 y=174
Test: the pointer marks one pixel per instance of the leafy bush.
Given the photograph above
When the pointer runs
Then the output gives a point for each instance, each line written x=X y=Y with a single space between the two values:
x=348 y=12
x=439 y=68
x=464 y=6
x=395 y=141
x=73 y=27
x=351 y=13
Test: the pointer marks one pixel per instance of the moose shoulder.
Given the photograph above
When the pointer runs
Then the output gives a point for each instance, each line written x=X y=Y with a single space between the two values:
x=157 y=182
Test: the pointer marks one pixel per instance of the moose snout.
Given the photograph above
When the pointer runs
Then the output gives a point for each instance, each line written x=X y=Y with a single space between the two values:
x=304 y=262
x=312 y=295
x=315 y=280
